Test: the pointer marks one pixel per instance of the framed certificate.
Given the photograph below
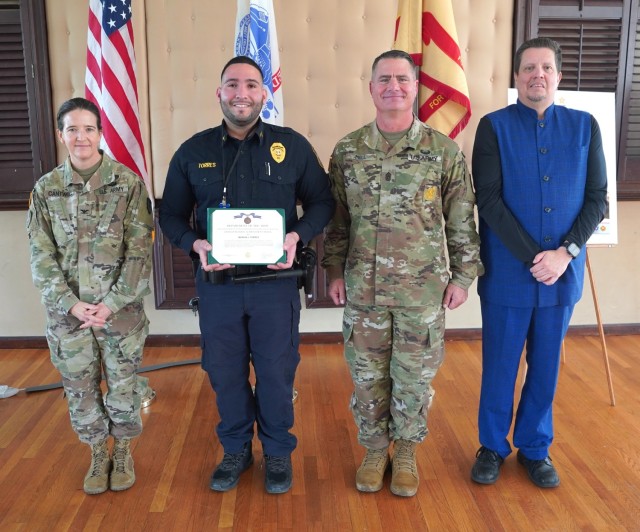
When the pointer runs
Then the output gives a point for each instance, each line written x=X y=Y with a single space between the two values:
x=246 y=236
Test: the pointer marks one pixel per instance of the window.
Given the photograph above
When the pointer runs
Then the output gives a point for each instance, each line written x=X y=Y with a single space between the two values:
x=27 y=142
x=600 y=42
x=629 y=158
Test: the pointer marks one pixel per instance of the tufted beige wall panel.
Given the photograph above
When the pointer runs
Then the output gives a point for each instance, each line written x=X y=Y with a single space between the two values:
x=326 y=50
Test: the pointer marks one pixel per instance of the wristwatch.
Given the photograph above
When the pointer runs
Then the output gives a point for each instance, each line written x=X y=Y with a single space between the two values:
x=572 y=248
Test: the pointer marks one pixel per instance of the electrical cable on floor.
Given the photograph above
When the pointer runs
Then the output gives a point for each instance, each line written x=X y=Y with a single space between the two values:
x=8 y=391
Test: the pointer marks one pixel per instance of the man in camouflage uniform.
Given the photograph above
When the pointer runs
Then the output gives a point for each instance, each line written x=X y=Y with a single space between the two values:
x=395 y=182
x=90 y=231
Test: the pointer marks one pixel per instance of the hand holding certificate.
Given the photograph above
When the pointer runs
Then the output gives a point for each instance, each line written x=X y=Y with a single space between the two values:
x=246 y=236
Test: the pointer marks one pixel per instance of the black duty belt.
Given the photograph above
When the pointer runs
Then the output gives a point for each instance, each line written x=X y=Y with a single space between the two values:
x=244 y=270
x=248 y=274
x=303 y=270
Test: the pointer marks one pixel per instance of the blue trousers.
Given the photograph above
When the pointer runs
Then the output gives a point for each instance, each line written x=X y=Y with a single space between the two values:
x=253 y=323
x=505 y=330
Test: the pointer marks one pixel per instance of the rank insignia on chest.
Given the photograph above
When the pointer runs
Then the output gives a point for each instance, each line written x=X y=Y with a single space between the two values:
x=278 y=152
x=430 y=193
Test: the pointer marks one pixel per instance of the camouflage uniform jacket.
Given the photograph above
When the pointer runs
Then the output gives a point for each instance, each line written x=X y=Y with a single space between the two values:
x=90 y=242
x=387 y=234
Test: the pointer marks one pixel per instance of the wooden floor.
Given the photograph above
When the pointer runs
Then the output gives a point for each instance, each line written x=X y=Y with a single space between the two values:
x=596 y=451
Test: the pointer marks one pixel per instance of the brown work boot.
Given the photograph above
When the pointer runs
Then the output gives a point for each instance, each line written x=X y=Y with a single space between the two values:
x=371 y=471
x=97 y=478
x=404 y=477
x=123 y=475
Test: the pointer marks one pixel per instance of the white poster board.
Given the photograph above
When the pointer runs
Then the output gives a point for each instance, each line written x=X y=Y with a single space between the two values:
x=602 y=106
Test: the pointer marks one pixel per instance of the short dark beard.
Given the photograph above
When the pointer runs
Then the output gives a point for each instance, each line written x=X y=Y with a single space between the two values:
x=229 y=117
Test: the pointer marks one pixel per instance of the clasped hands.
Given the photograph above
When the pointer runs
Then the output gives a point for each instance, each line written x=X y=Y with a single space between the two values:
x=548 y=266
x=91 y=315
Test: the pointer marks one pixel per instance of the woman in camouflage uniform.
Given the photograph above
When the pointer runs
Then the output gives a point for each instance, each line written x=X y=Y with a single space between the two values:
x=90 y=232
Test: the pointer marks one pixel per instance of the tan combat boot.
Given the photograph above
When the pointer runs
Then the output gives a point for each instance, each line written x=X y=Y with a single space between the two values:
x=371 y=471
x=122 y=475
x=97 y=478
x=404 y=477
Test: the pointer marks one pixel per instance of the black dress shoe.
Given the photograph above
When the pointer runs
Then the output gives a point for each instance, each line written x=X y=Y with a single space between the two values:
x=227 y=474
x=279 y=474
x=486 y=470
x=541 y=472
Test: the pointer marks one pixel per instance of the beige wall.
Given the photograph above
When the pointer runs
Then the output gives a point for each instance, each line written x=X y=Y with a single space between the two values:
x=326 y=52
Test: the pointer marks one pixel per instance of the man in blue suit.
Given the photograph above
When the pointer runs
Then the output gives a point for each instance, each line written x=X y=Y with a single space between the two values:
x=541 y=187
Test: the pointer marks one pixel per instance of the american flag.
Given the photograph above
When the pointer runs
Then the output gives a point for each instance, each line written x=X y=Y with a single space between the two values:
x=110 y=82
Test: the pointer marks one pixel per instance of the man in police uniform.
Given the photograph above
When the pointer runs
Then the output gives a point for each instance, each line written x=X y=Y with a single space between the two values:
x=246 y=163
x=395 y=180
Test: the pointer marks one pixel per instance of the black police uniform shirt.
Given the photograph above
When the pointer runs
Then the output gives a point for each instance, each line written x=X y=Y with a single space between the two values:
x=273 y=167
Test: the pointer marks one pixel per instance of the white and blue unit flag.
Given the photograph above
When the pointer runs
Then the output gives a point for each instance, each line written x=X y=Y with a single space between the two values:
x=256 y=38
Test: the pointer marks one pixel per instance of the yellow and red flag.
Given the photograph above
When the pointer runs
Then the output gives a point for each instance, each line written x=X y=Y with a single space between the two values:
x=426 y=30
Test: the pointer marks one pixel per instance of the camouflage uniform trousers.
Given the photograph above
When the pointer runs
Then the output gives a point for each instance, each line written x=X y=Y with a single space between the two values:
x=82 y=355
x=393 y=354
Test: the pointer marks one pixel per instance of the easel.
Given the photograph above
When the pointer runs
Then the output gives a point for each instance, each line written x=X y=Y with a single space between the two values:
x=605 y=354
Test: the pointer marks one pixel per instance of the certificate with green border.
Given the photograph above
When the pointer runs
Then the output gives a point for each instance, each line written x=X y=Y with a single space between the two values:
x=246 y=236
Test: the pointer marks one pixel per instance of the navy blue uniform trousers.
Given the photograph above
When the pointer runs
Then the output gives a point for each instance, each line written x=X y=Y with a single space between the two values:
x=504 y=333
x=252 y=323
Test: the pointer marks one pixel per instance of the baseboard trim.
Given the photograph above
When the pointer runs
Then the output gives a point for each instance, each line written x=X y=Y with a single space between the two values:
x=193 y=340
